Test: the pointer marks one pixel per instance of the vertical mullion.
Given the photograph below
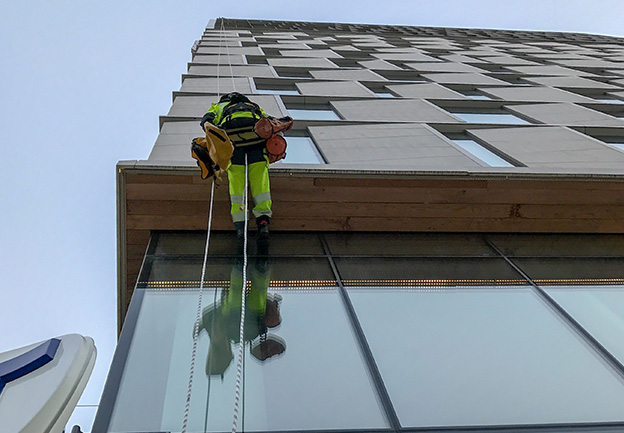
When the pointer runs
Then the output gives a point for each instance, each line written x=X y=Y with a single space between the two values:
x=365 y=349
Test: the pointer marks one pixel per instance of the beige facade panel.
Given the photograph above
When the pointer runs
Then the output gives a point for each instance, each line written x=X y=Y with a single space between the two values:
x=534 y=94
x=213 y=85
x=427 y=90
x=177 y=153
x=589 y=62
x=347 y=74
x=509 y=61
x=413 y=146
x=465 y=78
x=333 y=88
x=286 y=46
x=409 y=56
x=565 y=114
x=460 y=58
x=378 y=64
x=552 y=147
x=389 y=110
x=234 y=59
x=229 y=50
x=327 y=54
x=578 y=82
x=237 y=70
x=196 y=106
x=444 y=67
x=302 y=63
x=550 y=70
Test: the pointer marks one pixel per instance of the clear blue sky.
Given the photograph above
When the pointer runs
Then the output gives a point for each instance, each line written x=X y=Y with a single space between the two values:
x=82 y=85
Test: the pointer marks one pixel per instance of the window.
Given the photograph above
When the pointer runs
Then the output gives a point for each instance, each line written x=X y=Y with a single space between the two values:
x=498 y=118
x=277 y=92
x=476 y=95
x=482 y=153
x=316 y=114
x=301 y=150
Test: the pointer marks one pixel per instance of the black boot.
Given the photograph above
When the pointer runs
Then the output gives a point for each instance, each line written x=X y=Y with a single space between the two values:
x=240 y=238
x=262 y=236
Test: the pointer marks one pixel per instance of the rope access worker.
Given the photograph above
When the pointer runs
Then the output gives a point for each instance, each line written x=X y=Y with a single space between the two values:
x=238 y=116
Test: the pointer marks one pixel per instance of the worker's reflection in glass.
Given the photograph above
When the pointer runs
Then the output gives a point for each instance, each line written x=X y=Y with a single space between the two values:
x=262 y=312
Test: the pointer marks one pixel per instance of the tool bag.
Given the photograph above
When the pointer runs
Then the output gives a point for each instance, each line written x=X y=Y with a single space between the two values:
x=213 y=152
x=272 y=130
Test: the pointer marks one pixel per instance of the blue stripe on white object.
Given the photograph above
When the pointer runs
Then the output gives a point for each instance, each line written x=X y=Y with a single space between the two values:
x=50 y=376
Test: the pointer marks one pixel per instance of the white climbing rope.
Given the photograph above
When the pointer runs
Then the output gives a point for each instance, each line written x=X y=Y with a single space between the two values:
x=241 y=351
x=241 y=338
x=187 y=406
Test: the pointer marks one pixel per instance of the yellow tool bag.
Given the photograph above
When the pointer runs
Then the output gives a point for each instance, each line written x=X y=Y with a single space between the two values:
x=213 y=152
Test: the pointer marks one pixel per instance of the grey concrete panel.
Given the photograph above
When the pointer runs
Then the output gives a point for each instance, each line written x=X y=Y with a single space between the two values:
x=589 y=62
x=408 y=110
x=347 y=74
x=409 y=56
x=618 y=82
x=551 y=147
x=444 y=67
x=509 y=60
x=237 y=70
x=550 y=70
x=568 y=81
x=464 y=78
x=212 y=85
x=460 y=58
x=345 y=48
x=534 y=94
x=327 y=54
x=333 y=88
x=399 y=145
x=378 y=64
x=196 y=106
x=235 y=59
x=304 y=63
x=566 y=114
x=427 y=90
x=175 y=153
x=286 y=46
x=229 y=50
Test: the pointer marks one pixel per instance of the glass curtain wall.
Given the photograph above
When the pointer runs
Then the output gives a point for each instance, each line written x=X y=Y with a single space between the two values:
x=373 y=332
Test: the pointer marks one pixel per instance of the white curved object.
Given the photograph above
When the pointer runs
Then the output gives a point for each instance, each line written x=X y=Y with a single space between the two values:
x=40 y=384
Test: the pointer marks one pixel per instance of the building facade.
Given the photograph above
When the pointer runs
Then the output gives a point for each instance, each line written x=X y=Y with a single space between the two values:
x=447 y=250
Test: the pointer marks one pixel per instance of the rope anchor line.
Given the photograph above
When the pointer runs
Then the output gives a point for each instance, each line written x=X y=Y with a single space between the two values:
x=241 y=351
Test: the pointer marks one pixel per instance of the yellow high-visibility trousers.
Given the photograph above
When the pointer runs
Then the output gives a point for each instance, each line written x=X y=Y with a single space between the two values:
x=258 y=173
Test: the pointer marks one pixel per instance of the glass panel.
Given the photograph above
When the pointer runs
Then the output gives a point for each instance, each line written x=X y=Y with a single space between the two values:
x=276 y=92
x=478 y=96
x=600 y=310
x=571 y=268
x=558 y=245
x=296 y=376
x=384 y=95
x=618 y=146
x=224 y=243
x=476 y=357
x=186 y=272
x=610 y=101
x=407 y=244
x=301 y=150
x=482 y=153
x=313 y=114
x=502 y=118
x=435 y=270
